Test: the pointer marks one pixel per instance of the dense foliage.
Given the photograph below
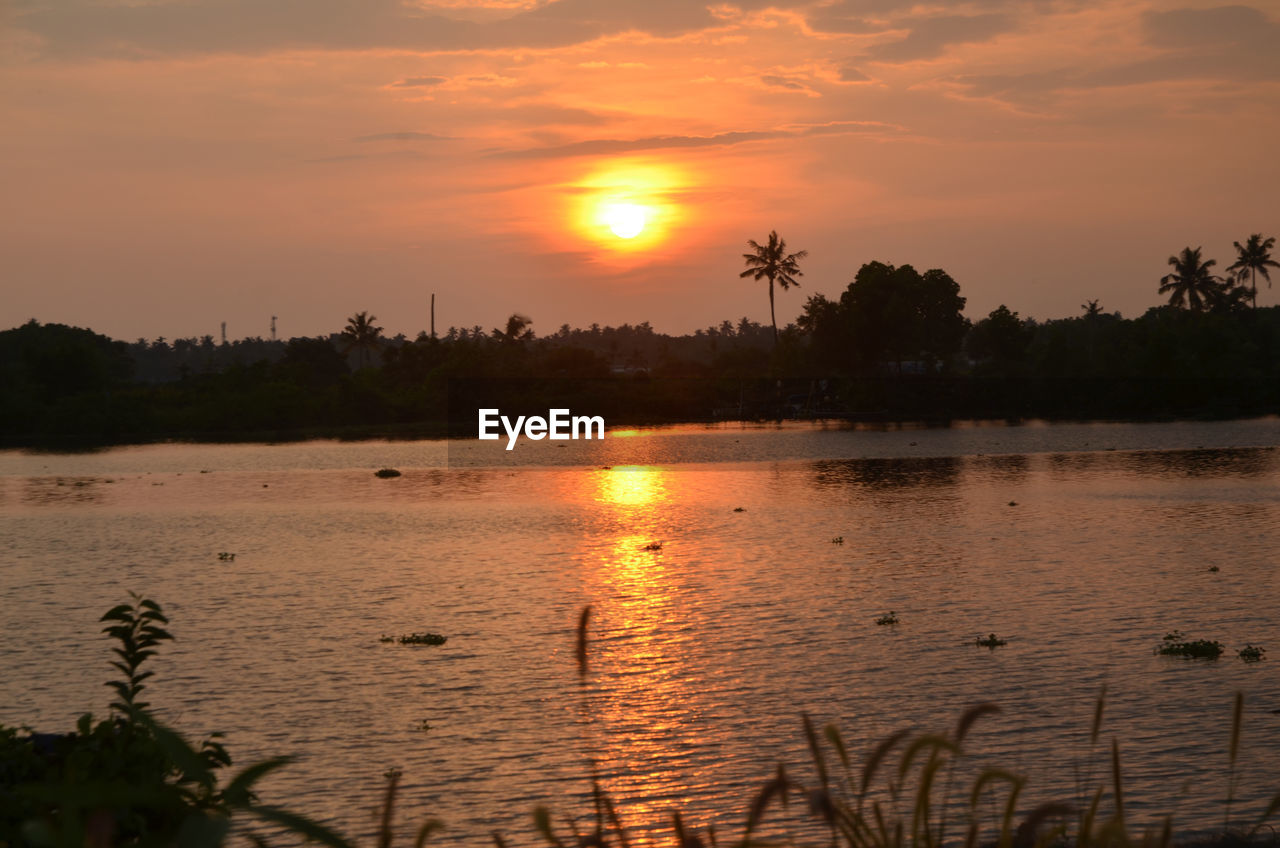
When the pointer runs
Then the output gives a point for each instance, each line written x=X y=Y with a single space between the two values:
x=127 y=779
x=895 y=345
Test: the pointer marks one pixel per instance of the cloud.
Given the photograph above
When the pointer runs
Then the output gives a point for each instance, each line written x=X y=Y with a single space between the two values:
x=354 y=157
x=415 y=82
x=1224 y=26
x=776 y=81
x=88 y=27
x=609 y=146
x=930 y=37
x=849 y=73
x=402 y=136
x=1227 y=43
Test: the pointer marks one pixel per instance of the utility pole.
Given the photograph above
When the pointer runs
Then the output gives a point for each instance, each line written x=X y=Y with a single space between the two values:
x=433 y=315
x=224 y=332
x=273 y=328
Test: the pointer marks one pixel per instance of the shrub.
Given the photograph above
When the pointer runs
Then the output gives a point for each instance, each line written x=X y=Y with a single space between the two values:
x=128 y=779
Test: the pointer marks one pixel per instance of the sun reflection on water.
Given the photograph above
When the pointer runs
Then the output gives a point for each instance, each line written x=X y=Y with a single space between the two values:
x=631 y=486
x=640 y=711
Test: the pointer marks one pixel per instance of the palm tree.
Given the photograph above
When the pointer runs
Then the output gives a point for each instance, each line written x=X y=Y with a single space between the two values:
x=361 y=334
x=1254 y=256
x=773 y=262
x=518 y=329
x=1229 y=296
x=1190 y=286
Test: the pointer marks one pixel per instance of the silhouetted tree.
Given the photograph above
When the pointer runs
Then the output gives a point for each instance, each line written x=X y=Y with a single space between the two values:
x=1254 y=257
x=518 y=329
x=771 y=261
x=1001 y=338
x=1191 y=285
x=361 y=334
x=1229 y=296
x=898 y=314
x=312 y=363
x=1091 y=309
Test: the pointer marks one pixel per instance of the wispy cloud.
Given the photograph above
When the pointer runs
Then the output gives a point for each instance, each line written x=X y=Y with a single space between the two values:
x=418 y=82
x=930 y=37
x=1227 y=43
x=255 y=26
x=402 y=136
x=607 y=146
x=355 y=157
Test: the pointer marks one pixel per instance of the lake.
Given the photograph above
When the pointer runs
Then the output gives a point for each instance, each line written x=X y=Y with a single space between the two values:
x=723 y=608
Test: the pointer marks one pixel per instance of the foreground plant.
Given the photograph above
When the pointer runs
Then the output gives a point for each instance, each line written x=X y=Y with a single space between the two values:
x=128 y=779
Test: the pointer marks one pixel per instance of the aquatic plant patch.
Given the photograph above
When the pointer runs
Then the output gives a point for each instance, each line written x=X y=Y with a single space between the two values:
x=1176 y=644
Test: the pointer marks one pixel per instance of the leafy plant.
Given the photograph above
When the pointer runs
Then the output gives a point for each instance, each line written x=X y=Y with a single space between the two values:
x=888 y=618
x=128 y=779
x=990 y=641
x=1176 y=644
x=386 y=472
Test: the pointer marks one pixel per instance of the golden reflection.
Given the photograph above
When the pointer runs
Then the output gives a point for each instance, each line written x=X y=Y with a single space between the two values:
x=631 y=485
x=643 y=706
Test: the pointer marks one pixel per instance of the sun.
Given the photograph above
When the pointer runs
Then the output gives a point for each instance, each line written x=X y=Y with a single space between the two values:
x=626 y=208
x=626 y=220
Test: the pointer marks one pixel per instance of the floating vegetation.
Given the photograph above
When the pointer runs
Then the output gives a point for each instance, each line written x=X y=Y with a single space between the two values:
x=889 y=618
x=652 y=546
x=422 y=725
x=384 y=638
x=1013 y=503
x=1252 y=653
x=423 y=639
x=991 y=641
x=837 y=540
x=386 y=472
x=1214 y=568
x=1175 y=644
x=739 y=509
x=224 y=556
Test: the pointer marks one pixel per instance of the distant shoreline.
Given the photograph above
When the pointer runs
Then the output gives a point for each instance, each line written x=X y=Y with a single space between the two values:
x=440 y=430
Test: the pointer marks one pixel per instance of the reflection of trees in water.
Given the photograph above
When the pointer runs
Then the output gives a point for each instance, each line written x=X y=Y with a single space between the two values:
x=894 y=473
x=1217 y=462
x=1070 y=463
x=1003 y=467
x=1210 y=462
x=63 y=490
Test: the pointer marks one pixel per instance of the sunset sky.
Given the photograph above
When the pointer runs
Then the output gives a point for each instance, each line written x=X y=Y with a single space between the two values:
x=168 y=165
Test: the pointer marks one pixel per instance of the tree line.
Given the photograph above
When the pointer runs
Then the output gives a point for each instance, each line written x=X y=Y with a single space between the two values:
x=893 y=345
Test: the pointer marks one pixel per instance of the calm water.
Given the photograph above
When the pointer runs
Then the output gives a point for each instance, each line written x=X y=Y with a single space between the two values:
x=705 y=653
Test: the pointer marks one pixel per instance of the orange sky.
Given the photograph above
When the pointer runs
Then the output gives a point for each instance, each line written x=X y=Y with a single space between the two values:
x=170 y=164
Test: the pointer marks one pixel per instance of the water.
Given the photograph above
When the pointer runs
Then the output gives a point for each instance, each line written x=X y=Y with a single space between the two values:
x=1082 y=545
